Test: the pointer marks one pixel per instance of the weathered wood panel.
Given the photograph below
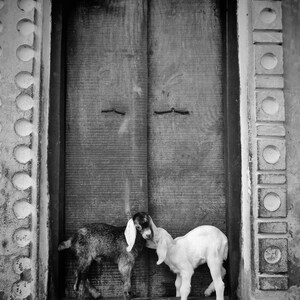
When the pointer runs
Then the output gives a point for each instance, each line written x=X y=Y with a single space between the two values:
x=186 y=130
x=106 y=132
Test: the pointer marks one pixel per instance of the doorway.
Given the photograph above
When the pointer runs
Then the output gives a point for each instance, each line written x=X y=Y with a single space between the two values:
x=144 y=125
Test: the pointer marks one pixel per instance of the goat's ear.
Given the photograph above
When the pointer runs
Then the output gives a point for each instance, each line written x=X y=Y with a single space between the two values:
x=152 y=225
x=161 y=251
x=130 y=234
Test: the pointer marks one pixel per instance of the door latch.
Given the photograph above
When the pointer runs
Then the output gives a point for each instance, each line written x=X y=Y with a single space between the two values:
x=113 y=110
x=172 y=110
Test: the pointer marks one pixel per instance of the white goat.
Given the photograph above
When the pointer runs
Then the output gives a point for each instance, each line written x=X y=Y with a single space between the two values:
x=204 y=244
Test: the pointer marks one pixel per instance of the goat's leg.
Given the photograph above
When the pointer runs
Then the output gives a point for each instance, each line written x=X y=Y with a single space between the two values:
x=211 y=287
x=125 y=266
x=215 y=268
x=76 y=283
x=178 y=285
x=92 y=290
x=81 y=275
x=185 y=288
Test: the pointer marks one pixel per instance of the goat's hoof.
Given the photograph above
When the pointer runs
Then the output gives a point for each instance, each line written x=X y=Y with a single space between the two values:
x=81 y=294
x=207 y=293
x=95 y=294
x=127 y=296
x=92 y=290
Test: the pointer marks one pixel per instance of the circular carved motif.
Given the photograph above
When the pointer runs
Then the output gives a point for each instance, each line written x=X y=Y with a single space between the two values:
x=22 y=209
x=25 y=52
x=26 y=5
x=23 y=154
x=270 y=106
x=268 y=15
x=272 y=255
x=22 y=181
x=23 y=127
x=21 y=263
x=22 y=237
x=25 y=27
x=24 y=102
x=24 y=79
x=271 y=154
x=21 y=289
x=272 y=202
x=269 y=61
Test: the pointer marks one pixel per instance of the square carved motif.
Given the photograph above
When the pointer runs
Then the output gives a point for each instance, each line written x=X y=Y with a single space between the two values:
x=272 y=203
x=267 y=15
x=271 y=154
x=268 y=59
x=273 y=255
x=270 y=105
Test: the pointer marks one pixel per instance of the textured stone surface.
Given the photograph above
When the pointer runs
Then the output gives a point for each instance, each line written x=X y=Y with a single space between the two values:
x=270 y=130
x=268 y=59
x=266 y=81
x=271 y=178
x=272 y=227
x=265 y=195
x=273 y=255
x=271 y=154
x=267 y=15
x=270 y=181
x=273 y=283
x=270 y=105
x=20 y=46
x=267 y=37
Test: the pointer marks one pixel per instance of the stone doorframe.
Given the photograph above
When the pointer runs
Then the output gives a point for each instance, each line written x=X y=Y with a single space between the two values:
x=267 y=224
x=25 y=31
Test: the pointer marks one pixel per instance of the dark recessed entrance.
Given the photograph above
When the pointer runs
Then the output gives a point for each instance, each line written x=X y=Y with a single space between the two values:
x=144 y=117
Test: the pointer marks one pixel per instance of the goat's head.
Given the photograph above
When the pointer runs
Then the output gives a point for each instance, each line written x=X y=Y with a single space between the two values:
x=142 y=223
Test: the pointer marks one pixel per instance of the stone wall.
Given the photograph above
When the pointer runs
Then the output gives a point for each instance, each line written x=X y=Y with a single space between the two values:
x=22 y=86
x=270 y=255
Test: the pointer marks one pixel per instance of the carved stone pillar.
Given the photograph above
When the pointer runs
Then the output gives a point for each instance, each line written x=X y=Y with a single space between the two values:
x=23 y=85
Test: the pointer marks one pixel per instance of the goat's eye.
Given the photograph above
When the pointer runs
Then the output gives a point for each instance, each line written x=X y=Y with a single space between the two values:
x=146 y=224
x=138 y=227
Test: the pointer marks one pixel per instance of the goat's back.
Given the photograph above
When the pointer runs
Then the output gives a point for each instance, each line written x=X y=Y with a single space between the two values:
x=203 y=241
x=100 y=239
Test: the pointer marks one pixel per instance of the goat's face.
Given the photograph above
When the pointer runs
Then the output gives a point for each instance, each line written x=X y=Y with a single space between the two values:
x=140 y=222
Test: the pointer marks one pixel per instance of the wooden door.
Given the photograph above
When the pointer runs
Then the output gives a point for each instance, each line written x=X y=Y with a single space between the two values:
x=144 y=128
x=186 y=125
x=106 y=132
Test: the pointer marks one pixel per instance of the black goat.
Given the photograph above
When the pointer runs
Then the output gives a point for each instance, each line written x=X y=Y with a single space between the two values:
x=119 y=244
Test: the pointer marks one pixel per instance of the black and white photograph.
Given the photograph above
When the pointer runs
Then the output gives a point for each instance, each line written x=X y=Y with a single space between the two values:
x=150 y=149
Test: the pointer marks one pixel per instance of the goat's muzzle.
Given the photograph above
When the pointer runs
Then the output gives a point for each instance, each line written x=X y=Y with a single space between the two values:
x=147 y=234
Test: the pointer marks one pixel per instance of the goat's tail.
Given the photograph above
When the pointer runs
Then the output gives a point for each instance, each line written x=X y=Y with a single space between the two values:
x=65 y=244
